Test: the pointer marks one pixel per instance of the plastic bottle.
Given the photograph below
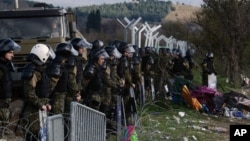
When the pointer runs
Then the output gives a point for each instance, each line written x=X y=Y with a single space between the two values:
x=227 y=112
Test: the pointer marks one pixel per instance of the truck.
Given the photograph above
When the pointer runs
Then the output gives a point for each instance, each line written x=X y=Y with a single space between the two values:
x=30 y=26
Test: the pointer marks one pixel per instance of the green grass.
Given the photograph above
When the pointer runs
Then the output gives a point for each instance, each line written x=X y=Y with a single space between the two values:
x=158 y=120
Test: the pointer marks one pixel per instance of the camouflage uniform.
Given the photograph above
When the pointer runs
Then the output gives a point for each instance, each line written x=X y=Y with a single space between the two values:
x=95 y=75
x=4 y=98
x=36 y=91
x=162 y=69
x=95 y=85
x=63 y=78
x=147 y=66
x=136 y=72
x=64 y=87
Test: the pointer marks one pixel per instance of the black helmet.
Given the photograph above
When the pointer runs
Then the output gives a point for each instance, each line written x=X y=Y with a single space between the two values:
x=112 y=51
x=122 y=47
x=115 y=43
x=210 y=55
x=65 y=49
x=136 y=48
x=80 y=43
x=8 y=45
x=162 y=50
x=149 y=50
x=190 y=52
x=97 y=44
x=100 y=52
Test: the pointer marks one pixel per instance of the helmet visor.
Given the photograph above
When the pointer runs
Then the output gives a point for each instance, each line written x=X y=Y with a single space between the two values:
x=8 y=44
x=84 y=44
x=116 y=53
x=130 y=49
x=103 y=53
x=51 y=52
x=16 y=47
x=74 y=52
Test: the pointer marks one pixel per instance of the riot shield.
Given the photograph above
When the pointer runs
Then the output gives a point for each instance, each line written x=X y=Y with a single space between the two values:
x=43 y=126
x=152 y=88
x=133 y=105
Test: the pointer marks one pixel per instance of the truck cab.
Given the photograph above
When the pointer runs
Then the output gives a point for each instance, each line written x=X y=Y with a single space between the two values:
x=35 y=25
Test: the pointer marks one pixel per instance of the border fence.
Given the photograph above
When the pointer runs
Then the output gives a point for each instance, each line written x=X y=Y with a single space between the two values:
x=87 y=124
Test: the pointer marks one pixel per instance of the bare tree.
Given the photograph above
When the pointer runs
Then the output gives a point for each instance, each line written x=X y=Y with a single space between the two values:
x=227 y=24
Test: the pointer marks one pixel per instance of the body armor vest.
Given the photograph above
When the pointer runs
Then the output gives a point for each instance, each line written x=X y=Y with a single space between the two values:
x=5 y=81
x=62 y=84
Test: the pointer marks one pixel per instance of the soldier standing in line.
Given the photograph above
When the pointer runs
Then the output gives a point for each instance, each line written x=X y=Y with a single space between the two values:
x=81 y=45
x=124 y=72
x=147 y=67
x=136 y=72
x=63 y=78
x=112 y=87
x=7 y=49
x=111 y=81
x=96 y=45
x=94 y=74
x=180 y=64
x=189 y=54
x=163 y=67
x=36 y=87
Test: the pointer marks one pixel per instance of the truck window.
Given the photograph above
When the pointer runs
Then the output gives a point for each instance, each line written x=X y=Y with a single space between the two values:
x=31 y=28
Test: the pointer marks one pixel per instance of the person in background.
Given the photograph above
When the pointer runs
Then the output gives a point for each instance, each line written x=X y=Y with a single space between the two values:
x=36 y=87
x=208 y=68
x=189 y=57
x=7 y=49
x=163 y=66
x=180 y=64
x=55 y=31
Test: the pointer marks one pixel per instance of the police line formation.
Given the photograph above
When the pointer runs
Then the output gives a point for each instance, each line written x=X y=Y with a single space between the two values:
x=116 y=74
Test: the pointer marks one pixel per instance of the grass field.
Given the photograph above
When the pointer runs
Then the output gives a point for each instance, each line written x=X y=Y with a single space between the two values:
x=160 y=121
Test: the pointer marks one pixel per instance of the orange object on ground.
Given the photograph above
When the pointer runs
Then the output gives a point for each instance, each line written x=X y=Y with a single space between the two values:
x=193 y=102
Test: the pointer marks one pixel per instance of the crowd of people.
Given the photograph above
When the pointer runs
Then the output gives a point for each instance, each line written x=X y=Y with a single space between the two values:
x=54 y=78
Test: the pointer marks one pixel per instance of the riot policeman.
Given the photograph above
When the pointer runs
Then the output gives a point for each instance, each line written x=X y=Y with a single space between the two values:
x=36 y=86
x=208 y=68
x=93 y=72
x=147 y=67
x=80 y=45
x=124 y=72
x=63 y=78
x=7 y=49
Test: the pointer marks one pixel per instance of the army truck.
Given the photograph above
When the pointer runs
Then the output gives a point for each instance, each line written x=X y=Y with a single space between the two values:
x=36 y=25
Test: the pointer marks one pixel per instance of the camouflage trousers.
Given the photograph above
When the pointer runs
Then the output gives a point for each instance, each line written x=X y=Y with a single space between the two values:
x=4 y=116
x=4 y=111
x=58 y=106
x=94 y=100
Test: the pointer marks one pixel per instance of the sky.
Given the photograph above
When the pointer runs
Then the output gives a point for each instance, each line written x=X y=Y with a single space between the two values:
x=75 y=3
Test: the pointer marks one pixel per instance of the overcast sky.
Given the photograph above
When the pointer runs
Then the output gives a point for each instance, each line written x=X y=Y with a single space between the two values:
x=74 y=3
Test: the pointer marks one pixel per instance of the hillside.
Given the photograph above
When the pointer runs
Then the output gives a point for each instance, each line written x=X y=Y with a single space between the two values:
x=182 y=13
